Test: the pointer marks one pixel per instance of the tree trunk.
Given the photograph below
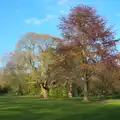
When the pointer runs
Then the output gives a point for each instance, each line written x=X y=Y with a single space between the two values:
x=70 y=91
x=44 y=92
x=85 y=91
x=86 y=87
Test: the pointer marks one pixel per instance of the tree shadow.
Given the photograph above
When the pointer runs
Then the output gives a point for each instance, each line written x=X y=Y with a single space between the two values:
x=29 y=109
x=110 y=112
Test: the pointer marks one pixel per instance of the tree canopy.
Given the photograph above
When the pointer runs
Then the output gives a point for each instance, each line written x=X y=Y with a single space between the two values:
x=83 y=61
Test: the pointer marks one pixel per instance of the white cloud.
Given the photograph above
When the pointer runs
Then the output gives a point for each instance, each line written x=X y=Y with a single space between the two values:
x=63 y=12
x=118 y=14
x=61 y=2
x=33 y=20
x=39 y=21
x=50 y=16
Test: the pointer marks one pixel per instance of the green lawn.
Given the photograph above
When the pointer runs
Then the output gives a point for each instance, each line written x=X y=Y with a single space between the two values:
x=32 y=108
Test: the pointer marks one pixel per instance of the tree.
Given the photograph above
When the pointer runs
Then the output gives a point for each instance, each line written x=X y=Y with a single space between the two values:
x=68 y=60
x=37 y=51
x=13 y=76
x=45 y=69
x=96 y=42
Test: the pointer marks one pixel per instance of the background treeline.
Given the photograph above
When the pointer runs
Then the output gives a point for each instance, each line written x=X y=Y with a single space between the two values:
x=83 y=62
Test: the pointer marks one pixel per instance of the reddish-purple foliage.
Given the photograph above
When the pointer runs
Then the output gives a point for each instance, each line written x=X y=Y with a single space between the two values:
x=85 y=28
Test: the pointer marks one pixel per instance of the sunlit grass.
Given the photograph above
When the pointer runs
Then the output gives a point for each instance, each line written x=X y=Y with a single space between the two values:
x=32 y=108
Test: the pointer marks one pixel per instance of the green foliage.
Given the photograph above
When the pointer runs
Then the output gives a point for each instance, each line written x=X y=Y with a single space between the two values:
x=34 y=89
x=59 y=92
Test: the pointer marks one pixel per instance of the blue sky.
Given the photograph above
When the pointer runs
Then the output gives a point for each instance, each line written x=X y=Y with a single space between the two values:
x=20 y=16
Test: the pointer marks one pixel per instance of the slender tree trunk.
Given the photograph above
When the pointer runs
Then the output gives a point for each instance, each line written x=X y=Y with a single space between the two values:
x=44 y=92
x=70 y=91
x=85 y=91
x=85 y=87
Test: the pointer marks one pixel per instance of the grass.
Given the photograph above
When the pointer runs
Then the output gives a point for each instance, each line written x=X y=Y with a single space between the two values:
x=32 y=108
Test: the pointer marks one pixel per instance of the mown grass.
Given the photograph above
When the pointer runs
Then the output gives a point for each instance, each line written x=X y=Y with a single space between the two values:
x=32 y=108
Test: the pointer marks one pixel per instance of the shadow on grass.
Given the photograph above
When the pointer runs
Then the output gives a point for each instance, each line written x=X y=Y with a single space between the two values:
x=103 y=113
x=17 y=108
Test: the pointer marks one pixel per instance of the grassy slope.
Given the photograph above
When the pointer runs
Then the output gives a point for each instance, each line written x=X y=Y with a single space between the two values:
x=31 y=108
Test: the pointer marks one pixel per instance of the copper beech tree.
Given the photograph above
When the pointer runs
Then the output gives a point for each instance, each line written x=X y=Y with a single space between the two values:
x=87 y=30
